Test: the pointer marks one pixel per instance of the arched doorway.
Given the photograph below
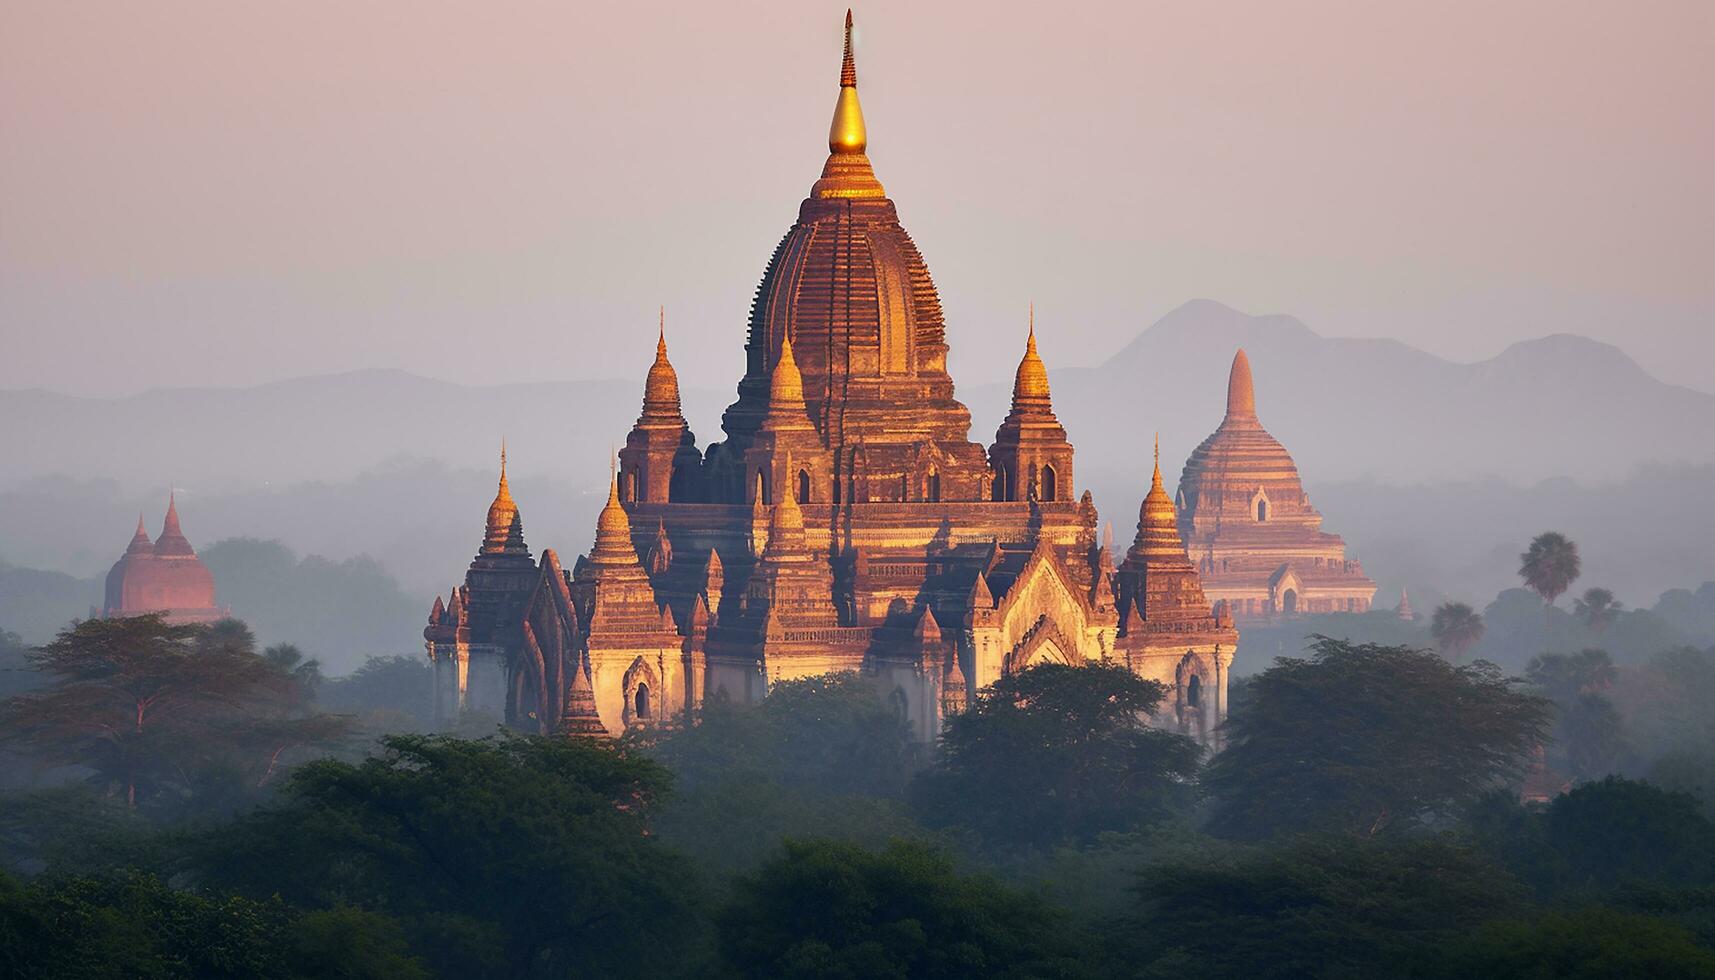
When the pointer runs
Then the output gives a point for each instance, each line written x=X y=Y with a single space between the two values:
x=1048 y=484
x=934 y=486
x=1289 y=602
x=1194 y=691
x=640 y=703
x=1262 y=511
x=803 y=486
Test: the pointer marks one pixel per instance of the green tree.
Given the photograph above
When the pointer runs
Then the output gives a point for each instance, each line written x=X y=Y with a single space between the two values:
x=1597 y=607
x=831 y=909
x=1588 y=735
x=1054 y=754
x=146 y=706
x=1583 y=944
x=508 y=856
x=1317 y=907
x=1456 y=628
x=1362 y=738
x=134 y=925
x=1550 y=565
x=823 y=756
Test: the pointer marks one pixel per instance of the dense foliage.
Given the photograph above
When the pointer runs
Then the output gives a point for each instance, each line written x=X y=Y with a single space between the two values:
x=1056 y=754
x=1367 y=808
x=1362 y=739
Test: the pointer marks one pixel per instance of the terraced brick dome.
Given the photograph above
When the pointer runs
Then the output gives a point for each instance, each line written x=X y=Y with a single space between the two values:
x=1240 y=474
x=850 y=288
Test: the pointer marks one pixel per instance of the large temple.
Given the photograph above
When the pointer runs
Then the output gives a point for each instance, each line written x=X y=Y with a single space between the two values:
x=1247 y=521
x=846 y=521
x=162 y=576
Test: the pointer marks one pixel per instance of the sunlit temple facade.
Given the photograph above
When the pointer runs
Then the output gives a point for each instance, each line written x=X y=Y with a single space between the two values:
x=844 y=521
x=1247 y=522
x=162 y=576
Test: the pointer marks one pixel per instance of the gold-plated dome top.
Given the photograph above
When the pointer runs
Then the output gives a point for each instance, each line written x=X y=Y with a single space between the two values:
x=847 y=134
x=848 y=172
x=1032 y=378
x=661 y=391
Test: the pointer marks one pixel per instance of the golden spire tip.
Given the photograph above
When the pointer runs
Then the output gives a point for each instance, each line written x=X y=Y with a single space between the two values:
x=848 y=65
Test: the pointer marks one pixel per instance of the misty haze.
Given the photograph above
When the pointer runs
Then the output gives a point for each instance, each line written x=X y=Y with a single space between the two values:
x=1152 y=491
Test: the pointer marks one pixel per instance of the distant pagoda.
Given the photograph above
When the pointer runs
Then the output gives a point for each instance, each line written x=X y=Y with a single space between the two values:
x=163 y=576
x=1249 y=525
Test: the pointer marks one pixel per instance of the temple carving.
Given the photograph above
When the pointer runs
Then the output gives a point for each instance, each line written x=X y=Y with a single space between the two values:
x=162 y=576
x=1244 y=515
x=844 y=521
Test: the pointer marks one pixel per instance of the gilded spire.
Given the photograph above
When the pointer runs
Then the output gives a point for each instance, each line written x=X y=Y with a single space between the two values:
x=1241 y=394
x=1031 y=382
x=848 y=173
x=786 y=383
x=613 y=528
x=1157 y=520
x=502 y=514
x=661 y=390
x=847 y=134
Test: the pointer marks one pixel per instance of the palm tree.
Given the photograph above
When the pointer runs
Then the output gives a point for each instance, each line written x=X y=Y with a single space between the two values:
x=1456 y=628
x=1598 y=608
x=1549 y=566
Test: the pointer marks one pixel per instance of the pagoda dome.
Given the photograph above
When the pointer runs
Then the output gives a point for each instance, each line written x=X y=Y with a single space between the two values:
x=166 y=577
x=850 y=288
x=1241 y=474
x=498 y=534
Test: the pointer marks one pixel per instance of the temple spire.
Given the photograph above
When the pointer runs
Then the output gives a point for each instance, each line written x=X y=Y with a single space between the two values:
x=1031 y=381
x=1241 y=393
x=172 y=540
x=847 y=134
x=661 y=388
x=613 y=527
x=497 y=536
x=140 y=543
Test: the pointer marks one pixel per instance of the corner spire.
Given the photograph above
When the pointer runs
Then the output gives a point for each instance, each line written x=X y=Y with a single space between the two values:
x=661 y=387
x=497 y=536
x=1241 y=393
x=1031 y=381
x=140 y=543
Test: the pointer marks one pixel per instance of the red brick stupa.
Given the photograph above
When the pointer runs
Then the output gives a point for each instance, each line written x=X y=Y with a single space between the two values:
x=165 y=576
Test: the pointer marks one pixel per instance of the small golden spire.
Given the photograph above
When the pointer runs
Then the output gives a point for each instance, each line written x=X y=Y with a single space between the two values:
x=497 y=533
x=847 y=134
x=786 y=382
x=1031 y=381
x=661 y=387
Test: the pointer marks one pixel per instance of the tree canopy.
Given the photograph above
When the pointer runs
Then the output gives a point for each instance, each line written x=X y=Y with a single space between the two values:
x=1054 y=754
x=1550 y=565
x=1360 y=738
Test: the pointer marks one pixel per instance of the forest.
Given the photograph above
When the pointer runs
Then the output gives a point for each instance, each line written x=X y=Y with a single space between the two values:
x=180 y=802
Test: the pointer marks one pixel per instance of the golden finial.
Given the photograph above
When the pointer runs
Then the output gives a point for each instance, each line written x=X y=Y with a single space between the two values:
x=1031 y=381
x=1155 y=482
x=661 y=334
x=847 y=134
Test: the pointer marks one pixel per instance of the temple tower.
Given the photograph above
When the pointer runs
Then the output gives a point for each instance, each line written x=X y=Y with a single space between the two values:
x=660 y=461
x=1031 y=458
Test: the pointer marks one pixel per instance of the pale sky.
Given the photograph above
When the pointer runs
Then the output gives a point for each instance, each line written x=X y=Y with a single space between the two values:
x=231 y=193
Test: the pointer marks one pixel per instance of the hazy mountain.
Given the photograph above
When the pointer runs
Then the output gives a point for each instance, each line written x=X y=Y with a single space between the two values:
x=1377 y=410
x=1435 y=472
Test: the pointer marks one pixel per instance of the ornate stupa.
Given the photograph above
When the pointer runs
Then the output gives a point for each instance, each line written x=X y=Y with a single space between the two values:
x=844 y=521
x=1250 y=527
x=165 y=576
